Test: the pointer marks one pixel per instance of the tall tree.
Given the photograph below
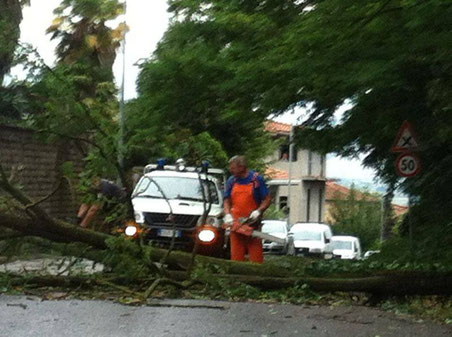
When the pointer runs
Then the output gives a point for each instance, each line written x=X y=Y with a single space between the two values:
x=11 y=97
x=229 y=60
x=389 y=59
x=10 y=19
x=190 y=81
x=77 y=98
x=85 y=39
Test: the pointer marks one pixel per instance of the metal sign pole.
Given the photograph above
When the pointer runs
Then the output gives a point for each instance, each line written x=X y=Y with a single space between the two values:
x=410 y=222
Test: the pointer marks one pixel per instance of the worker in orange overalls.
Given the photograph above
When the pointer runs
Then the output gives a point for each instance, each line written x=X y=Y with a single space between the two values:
x=246 y=196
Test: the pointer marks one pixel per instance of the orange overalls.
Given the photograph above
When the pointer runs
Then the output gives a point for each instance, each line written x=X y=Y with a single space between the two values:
x=243 y=203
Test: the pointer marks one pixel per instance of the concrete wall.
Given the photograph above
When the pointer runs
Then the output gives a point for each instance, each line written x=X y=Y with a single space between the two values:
x=315 y=164
x=299 y=200
x=315 y=192
x=38 y=168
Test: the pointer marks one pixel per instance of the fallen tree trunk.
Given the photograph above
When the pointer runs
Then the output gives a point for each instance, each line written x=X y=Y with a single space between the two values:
x=62 y=232
x=391 y=284
x=395 y=283
x=265 y=276
x=34 y=221
x=55 y=230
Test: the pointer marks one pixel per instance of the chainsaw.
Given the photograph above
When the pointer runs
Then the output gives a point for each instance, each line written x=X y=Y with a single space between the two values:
x=244 y=228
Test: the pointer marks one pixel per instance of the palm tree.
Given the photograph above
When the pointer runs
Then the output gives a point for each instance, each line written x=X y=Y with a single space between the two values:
x=10 y=18
x=85 y=38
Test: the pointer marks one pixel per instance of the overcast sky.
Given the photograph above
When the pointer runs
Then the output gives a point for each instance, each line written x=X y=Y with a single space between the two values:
x=147 y=20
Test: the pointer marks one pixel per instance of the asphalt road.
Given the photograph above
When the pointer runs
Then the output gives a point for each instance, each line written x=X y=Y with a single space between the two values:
x=22 y=316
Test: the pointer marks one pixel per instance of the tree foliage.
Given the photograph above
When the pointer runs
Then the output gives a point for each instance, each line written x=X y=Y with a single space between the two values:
x=84 y=38
x=76 y=99
x=152 y=136
x=189 y=81
x=389 y=58
x=12 y=97
x=10 y=18
x=224 y=62
x=359 y=214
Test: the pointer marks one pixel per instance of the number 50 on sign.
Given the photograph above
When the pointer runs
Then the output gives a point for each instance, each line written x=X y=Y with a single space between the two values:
x=408 y=165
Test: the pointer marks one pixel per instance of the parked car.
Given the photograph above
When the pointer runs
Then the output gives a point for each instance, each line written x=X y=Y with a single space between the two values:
x=346 y=247
x=279 y=229
x=312 y=239
x=169 y=203
x=369 y=253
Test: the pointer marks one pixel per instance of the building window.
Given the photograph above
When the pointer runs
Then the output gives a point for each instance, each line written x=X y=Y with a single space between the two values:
x=282 y=202
x=284 y=151
x=283 y=206
x=308 y=205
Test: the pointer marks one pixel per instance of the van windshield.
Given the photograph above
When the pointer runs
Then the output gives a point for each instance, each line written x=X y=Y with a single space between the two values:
x=273 y=227
x=341 y=244
x=307 y=236
x=176 y=188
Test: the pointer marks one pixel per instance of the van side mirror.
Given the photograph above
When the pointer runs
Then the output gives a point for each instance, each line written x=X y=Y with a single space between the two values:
x=327 y=240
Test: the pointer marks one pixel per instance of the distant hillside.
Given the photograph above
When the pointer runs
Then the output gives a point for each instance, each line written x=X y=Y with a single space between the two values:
x=399 y=198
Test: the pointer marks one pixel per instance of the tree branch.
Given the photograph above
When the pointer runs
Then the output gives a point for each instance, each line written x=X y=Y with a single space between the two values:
x=22 y=198
x=47 y=196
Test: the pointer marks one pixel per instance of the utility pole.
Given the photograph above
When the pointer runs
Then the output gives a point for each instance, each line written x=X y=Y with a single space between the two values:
x=122 y=117
x=289 y=200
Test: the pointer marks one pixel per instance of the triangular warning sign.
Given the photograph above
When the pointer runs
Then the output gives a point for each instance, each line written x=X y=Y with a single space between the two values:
x=406 y=139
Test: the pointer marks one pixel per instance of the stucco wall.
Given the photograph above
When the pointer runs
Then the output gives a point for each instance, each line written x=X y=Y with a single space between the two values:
x=300 y=167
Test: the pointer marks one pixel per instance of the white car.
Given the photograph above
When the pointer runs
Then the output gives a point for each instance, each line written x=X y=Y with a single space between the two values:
x=346 y=247
x=312 y=239
x=279 y=229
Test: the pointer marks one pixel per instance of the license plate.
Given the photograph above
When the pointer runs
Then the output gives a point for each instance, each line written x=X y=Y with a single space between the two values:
x=168 y=233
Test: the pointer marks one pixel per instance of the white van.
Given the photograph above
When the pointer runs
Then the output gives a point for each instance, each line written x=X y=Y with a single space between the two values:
x=311 y=239
x=169 y=201
x=346 y=247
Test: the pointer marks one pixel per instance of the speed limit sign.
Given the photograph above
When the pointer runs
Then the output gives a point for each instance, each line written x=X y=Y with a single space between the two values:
x=408 y=165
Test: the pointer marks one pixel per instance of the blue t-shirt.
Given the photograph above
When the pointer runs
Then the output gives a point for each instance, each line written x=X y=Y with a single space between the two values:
x=260 y=190
x=110 y=190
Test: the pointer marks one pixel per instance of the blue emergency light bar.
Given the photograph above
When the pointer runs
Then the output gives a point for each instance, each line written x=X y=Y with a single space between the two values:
x=161 y=164
x=205 y=166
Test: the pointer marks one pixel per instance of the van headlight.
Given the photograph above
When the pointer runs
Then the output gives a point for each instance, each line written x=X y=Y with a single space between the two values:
x=206 y=235
x=131 y=230
x=139 y=217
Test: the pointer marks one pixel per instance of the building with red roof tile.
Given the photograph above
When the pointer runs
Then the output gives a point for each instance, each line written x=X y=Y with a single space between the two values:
x=310 y=193
x=306 y=179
